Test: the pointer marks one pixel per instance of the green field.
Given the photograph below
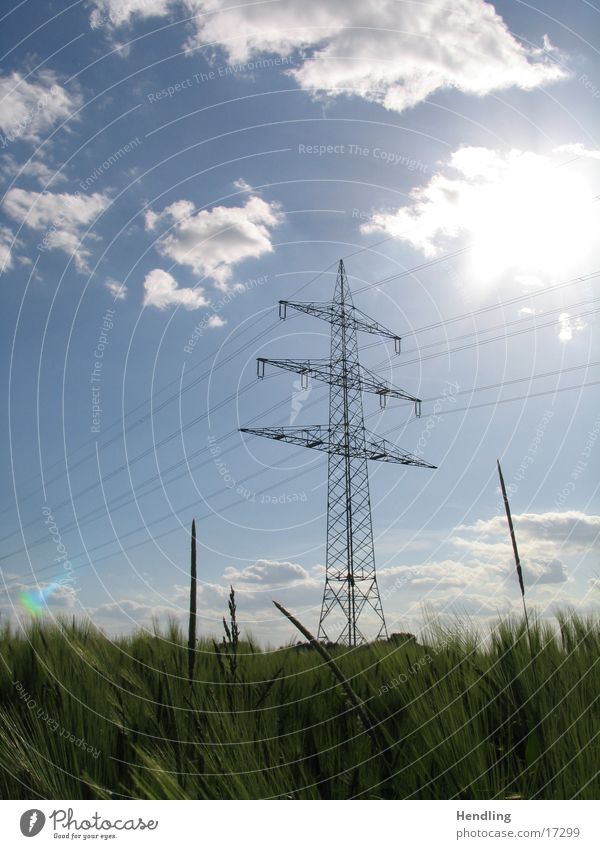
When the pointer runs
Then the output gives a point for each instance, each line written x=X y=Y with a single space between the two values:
x=464 y=716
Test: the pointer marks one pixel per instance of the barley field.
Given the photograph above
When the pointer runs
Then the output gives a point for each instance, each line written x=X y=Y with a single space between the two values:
x=463 y=715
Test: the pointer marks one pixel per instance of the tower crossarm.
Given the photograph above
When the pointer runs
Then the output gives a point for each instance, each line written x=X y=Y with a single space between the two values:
x=331 y=312
x=362 y=379
x=377 y=448
x=320 y=369
x=310 y=436
x=367 y=324
x=372 y=382
x=320 y=309
x=325 y=439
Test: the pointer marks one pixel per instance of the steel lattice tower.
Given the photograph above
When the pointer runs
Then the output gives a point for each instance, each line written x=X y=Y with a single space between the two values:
x=350 y=579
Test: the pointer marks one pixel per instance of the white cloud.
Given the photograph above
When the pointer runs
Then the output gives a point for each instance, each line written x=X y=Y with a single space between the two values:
x=119 y=12
x=438 y=573
x=479 y=575
x=7 y=244
x=529 y=281
x=161 y=291
x=545 y=571
x=516 y=208
x=469 y=605
x=50 y=599
x=116 y=289
x=568 y=326
x=34 y=169
x=266 y=575
x=578 y=150
x=255 y=586
x=132 y=613
x=216 y=321
x=212 y=241
x=60 y=218
x=396 y=54
x=569 y=528
x=31 y=107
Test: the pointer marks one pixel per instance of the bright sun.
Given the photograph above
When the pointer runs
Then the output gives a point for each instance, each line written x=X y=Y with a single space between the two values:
x=526 y=214
x=537 y=219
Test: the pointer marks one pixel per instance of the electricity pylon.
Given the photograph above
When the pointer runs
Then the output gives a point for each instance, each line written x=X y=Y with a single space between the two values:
x=350 y=579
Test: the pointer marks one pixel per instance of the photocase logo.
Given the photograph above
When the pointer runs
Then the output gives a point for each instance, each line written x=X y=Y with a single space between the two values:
x=32 y=822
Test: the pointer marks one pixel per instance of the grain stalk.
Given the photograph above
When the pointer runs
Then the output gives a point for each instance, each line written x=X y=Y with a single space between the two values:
x=515 y=549
x=360 y=708
x=193 y=599
x=229 y=646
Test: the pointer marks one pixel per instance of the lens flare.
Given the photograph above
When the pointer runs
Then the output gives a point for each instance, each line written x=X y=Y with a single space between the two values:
x=36 y=600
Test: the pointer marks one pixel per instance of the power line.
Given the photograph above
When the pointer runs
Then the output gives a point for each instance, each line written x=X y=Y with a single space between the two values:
x=516 y=380
x=527 y=397
x=407 y=272
x=176 y=381
x=509 y=302
x=67 y=502
x=231 y=356
x=481 y=342
x=99 y=512
x=115 y=438
x=387 y=279
x=295 y=476
x=225 y=401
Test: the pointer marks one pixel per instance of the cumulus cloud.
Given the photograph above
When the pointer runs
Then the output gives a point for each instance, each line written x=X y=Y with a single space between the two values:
x=570 y=527
x=161 y=290
x=545 y=571
x=473 y=604
x=211 y=242
x=30 y=107
x=216 y=321
x=396 y=54
x=269 y=574
x=60 y=218
x=479 y=575
x=578 y=149
x=517 y=208
x=439 y=574
x=128 y=613
x=46 y=599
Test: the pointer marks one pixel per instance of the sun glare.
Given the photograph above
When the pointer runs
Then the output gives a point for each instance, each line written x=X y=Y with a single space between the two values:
x=537 y=220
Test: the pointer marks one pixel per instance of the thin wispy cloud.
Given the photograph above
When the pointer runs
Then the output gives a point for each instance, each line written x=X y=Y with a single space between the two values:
x=7 y=245
x=34 y=169
x=117 y=290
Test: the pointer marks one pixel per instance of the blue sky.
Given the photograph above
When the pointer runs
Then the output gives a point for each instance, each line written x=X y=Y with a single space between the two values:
x=169 y=172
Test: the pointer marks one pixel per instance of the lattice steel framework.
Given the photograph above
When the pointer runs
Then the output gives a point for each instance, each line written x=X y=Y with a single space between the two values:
x=350 y=581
